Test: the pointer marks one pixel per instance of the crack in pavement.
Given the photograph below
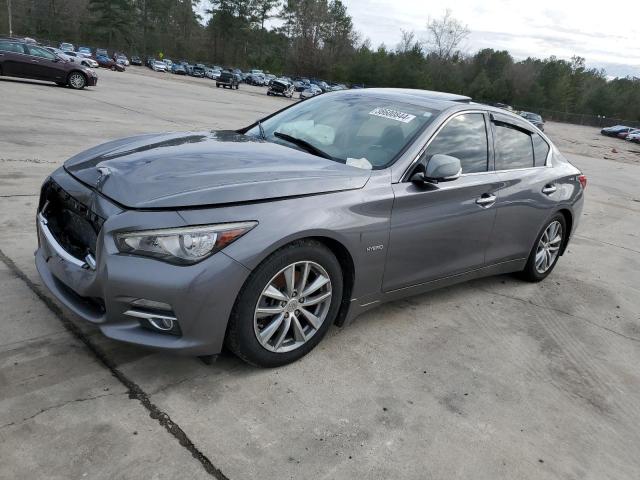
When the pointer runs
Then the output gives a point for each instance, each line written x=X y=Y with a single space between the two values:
x=59 y=405
x=606 y=243
x=134 y=391
x=591 y=322
x=20 y=195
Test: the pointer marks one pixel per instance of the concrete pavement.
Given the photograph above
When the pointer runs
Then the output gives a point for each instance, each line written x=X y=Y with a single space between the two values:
x=492 y=379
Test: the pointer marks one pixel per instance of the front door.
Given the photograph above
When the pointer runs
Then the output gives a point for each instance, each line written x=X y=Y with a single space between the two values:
x=439 y=230
x=44 y=65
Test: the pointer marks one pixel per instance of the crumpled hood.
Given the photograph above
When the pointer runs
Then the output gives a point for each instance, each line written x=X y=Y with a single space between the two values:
x=190 y=169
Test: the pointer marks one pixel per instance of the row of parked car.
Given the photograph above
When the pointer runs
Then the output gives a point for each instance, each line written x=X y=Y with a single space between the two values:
x=233 y=77
x=631 y=134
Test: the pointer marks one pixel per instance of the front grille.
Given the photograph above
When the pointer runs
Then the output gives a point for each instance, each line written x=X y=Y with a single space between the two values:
x=74 y=226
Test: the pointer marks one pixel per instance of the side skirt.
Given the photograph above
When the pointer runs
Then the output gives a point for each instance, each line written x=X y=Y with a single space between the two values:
x=360 y=305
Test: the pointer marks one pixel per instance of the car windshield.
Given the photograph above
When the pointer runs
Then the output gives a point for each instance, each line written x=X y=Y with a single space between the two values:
x=363 y=131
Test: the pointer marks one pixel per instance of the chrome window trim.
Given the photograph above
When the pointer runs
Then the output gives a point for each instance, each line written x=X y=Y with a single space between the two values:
x=405 y=174
x=547 y=164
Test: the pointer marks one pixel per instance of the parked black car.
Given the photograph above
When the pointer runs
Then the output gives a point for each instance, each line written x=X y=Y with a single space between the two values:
x=228 y=79
x=615 y=130
x=21 y=59
x=198 y=70
x=281 y=87
x=135 y=60
x=178 y=69
x=533 y=118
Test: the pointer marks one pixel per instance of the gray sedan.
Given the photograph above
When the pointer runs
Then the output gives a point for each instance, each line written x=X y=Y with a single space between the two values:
x=262 y=238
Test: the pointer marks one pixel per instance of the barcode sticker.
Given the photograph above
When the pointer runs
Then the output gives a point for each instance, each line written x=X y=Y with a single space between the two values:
x=392 y=114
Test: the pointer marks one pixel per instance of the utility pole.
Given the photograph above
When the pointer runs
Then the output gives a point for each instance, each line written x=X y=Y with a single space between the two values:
x=9 y=8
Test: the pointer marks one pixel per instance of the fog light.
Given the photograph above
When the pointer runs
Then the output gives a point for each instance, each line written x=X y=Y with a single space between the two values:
x=155 y=316
x=161 y=323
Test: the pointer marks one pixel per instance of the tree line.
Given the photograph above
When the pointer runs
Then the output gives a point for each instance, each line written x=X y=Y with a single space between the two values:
x=317 y=38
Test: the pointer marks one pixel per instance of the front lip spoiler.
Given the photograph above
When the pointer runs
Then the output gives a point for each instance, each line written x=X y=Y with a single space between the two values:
x=88 y=263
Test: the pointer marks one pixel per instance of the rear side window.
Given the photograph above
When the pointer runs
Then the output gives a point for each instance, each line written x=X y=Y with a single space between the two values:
x=540 y=150
x=10 y=47
x=514 y=148
x=464 y=137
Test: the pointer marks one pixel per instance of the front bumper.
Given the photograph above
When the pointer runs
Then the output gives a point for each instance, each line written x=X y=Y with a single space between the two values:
x=201 y=296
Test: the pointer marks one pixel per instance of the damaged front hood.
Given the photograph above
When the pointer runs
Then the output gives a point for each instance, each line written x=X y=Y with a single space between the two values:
x=176 y=170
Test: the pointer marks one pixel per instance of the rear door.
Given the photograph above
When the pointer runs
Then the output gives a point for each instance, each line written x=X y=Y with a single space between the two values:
x=13 y=59
x=528 y=191
x=439 y=230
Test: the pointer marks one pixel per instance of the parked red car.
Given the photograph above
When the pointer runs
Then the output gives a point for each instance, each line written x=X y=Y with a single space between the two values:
x=106 y=62
x=20 y=58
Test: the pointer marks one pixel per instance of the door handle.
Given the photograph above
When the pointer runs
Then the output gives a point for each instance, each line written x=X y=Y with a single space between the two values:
x=549 y=189
x=486 y=200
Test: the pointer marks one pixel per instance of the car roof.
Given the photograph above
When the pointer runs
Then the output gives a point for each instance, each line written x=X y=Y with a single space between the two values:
x=424 y=98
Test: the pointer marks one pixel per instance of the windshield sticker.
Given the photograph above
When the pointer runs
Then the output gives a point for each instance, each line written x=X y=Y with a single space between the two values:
x=392 y=114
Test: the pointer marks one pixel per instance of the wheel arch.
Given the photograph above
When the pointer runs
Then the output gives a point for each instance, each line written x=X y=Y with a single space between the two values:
x=568 y=218
x=338 y=248
x=348 y=273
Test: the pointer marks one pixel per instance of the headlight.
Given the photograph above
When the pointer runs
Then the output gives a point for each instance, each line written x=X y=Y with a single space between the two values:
x=183 y=246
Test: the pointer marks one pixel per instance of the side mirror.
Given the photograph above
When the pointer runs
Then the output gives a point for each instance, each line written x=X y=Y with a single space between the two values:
x=440 y=168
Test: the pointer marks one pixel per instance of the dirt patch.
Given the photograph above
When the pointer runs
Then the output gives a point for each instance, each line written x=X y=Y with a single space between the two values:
x=589 y=142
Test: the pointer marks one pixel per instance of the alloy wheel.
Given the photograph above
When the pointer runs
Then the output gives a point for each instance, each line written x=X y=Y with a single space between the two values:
x=76 y=80
x=548 y=247
x=292 y=307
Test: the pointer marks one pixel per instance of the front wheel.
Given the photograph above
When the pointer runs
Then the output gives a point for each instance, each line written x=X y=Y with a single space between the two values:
x=546 y=250
x=286 y=306
x=77 y=81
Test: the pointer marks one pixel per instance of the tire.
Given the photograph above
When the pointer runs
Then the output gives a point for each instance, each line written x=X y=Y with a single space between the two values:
x=217 y=85
x=244 y=322
x=532 y=272
x=113 y=68
x=77 y=80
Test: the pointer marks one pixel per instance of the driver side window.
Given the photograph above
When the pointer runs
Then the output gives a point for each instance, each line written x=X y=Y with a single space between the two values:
x=464 y=137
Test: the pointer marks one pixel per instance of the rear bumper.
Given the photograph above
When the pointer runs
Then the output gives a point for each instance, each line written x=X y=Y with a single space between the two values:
x=201 y=296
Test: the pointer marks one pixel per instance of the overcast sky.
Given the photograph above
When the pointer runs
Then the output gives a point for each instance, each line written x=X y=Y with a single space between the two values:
x=607 y=35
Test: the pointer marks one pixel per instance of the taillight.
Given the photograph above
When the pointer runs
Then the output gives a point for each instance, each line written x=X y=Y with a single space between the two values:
x=583 y=181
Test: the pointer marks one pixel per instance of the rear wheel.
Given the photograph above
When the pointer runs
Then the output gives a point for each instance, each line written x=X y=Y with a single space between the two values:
x=113 y=68
x=286 y=306
x=77 y=80
x=546 y=250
